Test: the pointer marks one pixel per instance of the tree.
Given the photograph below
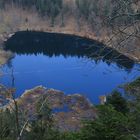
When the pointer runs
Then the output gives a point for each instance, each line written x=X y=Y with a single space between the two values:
x=7 y=125
x=118 y=102
x=132 y=90
x=110 y=125
x=124 y=23
x=42 y=124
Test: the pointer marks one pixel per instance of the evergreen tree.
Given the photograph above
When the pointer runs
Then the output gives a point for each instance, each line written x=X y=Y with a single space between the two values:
x=118 y=102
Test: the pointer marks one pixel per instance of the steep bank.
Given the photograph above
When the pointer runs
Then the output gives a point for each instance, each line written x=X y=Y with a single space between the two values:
x=16 y=19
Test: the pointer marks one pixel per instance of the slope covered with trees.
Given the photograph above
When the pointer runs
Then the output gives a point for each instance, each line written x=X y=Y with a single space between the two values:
x=114 y=22
x=89 y=9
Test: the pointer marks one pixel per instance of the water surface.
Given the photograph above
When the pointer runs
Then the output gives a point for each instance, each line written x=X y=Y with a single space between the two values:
x=68 y=63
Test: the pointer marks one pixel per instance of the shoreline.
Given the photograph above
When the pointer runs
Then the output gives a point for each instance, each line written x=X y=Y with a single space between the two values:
x=5 y=36
x=14 y=19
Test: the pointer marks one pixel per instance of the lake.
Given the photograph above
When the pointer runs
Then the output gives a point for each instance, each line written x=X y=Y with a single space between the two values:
x=69 y=63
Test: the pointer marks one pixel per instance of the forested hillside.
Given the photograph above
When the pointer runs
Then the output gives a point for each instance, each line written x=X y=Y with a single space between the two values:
x=89 y=9
x=116 y=23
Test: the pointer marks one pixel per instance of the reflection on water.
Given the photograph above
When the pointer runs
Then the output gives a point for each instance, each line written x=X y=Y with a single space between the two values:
x=53 y=44
x=69 y=63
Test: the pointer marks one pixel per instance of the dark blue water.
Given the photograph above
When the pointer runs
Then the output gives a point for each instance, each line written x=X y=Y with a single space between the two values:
x=66 y=71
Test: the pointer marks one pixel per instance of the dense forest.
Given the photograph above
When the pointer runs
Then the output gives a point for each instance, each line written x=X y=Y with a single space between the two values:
x=89 y=9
